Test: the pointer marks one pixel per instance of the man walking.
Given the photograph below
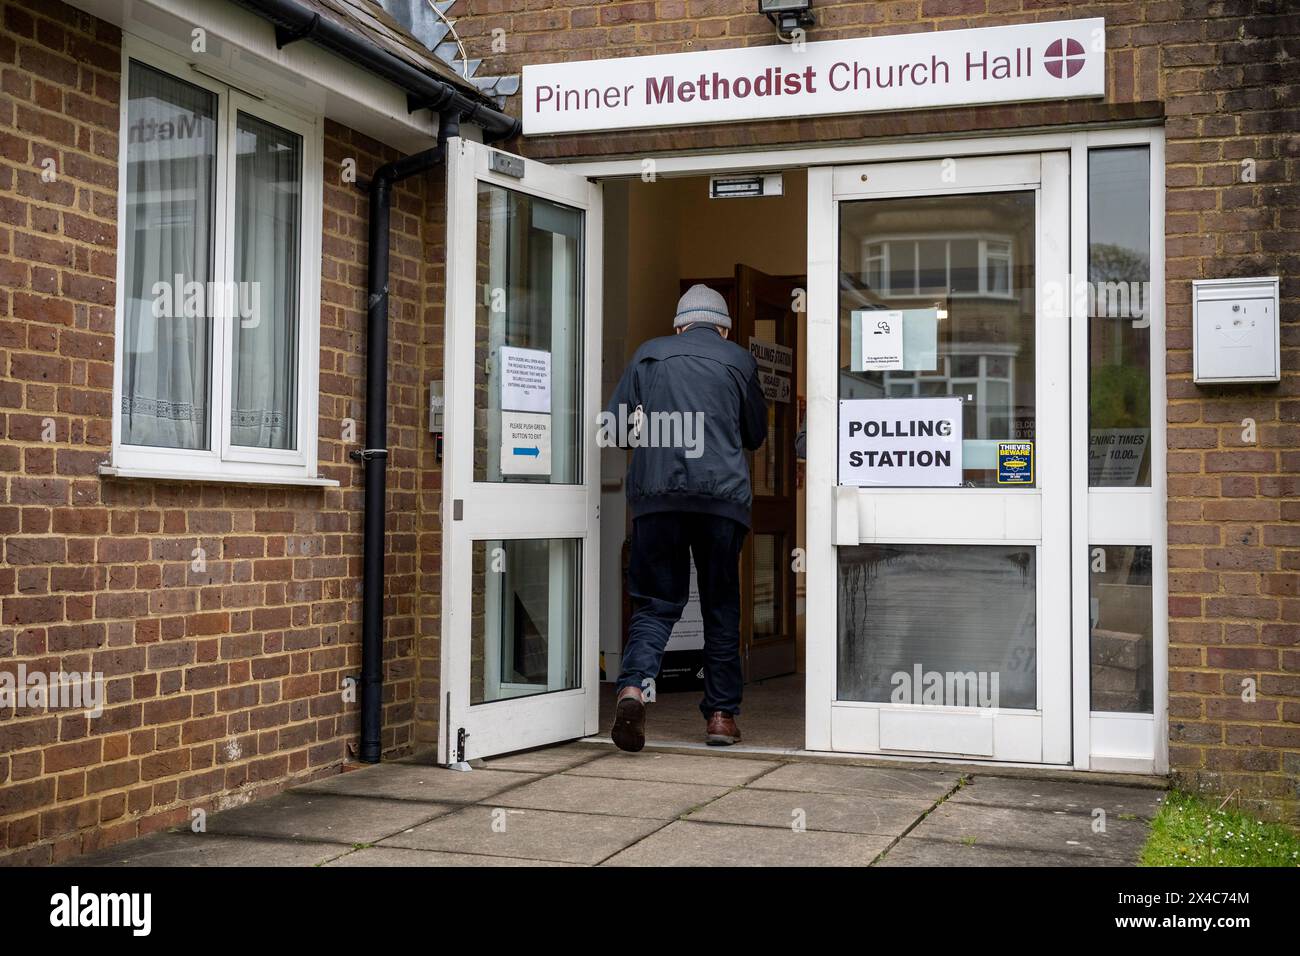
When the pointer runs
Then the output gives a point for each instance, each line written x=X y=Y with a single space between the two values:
x=688 y=499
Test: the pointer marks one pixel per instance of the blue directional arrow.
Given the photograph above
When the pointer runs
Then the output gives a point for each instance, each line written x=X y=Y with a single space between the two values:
x=534 y=451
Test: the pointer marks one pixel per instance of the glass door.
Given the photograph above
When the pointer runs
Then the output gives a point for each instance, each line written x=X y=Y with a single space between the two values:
x=938 y=459
x=520 y=483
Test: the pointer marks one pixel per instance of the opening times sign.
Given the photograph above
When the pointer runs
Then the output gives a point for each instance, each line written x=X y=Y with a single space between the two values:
x=900 y=442
x=1063 y=59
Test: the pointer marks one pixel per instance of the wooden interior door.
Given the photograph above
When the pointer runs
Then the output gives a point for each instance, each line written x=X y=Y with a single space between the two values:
x=762 y=312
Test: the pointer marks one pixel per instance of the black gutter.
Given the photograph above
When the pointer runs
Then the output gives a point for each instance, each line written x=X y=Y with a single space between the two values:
x=294 y=21
x=375 y=455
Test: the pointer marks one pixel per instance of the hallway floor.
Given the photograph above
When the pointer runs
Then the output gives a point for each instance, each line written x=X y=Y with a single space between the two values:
x=771 y=715
x=586 y=804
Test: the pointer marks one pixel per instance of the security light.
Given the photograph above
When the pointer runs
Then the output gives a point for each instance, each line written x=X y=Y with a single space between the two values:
x=788 y=15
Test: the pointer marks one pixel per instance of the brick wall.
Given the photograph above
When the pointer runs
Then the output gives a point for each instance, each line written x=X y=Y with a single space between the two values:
x=1222 y=75
x=225 y=684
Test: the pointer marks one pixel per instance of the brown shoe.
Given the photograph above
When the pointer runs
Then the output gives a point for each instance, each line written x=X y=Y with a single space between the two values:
x=721 y=730
x=628 y=732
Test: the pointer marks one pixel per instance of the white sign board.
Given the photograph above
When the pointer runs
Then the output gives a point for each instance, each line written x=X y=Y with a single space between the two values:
x=688 y=633
x=773 y=357
x=525 y=443
x=882 y=340
x=900 y=442
x=1052 y=60
x=1115 y=456
x=776 y=388
x=525 y=379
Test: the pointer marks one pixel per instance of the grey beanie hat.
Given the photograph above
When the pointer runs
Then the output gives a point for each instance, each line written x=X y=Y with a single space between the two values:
x=701 y=304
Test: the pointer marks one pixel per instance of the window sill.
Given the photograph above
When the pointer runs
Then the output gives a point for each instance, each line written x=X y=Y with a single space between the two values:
x=111 y=471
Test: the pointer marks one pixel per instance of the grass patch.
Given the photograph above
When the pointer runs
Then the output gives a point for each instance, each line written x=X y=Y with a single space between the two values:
x=1191 y=831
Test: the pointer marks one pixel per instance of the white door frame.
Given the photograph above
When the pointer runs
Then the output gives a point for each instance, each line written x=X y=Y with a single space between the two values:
x=487 y=510
x=1038 y=516
x=1137 y=743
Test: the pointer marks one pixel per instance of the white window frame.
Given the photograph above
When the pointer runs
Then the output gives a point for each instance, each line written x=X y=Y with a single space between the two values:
x=222 y=461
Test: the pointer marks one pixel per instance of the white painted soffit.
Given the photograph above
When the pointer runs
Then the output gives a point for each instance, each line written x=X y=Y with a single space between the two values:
x=241 y=50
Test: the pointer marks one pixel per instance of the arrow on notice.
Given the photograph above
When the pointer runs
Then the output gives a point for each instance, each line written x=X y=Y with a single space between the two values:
x=528 y=451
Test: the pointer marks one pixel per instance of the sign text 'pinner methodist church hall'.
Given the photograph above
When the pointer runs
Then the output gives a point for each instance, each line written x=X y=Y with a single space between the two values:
x=1029 y=61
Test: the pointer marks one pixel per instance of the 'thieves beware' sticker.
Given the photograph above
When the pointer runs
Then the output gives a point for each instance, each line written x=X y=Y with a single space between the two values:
x=1015 y=463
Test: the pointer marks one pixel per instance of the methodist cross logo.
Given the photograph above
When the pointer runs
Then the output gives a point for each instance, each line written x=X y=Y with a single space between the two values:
x=1064 y=58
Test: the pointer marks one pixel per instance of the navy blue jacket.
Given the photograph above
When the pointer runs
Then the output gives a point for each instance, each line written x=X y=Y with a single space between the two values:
x=703 y=408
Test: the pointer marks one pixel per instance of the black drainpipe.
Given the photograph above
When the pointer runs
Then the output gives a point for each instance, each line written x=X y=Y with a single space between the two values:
x=375 y=456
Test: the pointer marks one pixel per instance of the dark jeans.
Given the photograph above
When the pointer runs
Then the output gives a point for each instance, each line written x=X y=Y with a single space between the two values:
x=659 y=579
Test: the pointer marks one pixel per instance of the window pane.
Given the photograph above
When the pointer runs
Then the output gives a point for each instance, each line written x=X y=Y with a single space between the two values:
x=1119 y=608
x=932 y=266
x=963 y=612
x=902 y=267
x=264 y=301
x=965 y=266
x=968 y=333
x=1119 y=333
x=528 y=339
x=170 y=204
x=524 y=618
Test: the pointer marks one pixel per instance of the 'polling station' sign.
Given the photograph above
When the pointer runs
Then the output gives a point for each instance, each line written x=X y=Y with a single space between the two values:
x=900 y=442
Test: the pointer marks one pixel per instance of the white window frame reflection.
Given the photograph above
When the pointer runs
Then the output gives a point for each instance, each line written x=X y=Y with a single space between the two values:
x=223 y=460
x=877 y=265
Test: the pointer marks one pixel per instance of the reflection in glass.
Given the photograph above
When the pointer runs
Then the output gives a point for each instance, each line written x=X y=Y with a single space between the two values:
x=966 y=613
x=970 y=258
x=524 y=616
x=768 y=588
x=170 y=204
x=1120 y=616
x=530 y=274
x=1119 y=323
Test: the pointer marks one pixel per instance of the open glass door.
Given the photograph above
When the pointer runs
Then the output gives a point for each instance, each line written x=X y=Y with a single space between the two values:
x=938 y=459
x=520 y=474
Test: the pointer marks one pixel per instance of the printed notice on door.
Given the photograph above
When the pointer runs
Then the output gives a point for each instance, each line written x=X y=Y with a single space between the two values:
x=525 y=443
x=902 y=340
x=525 y=379
x=900 y=442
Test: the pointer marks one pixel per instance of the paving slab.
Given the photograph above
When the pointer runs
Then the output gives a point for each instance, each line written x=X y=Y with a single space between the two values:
x=326 y=818
x=912 y=851
x=884 y=782
x=652 y=799
x=1039 y=830
x=209 y=849
x=677 y=768
x=397 y=781
x=834 y=812
x=547 y=759
x=1060 y=795
x=392 y=856
x=528 y=834
x=688 y=843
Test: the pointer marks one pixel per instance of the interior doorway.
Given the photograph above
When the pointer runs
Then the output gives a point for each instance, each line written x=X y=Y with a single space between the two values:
x=661 y=236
